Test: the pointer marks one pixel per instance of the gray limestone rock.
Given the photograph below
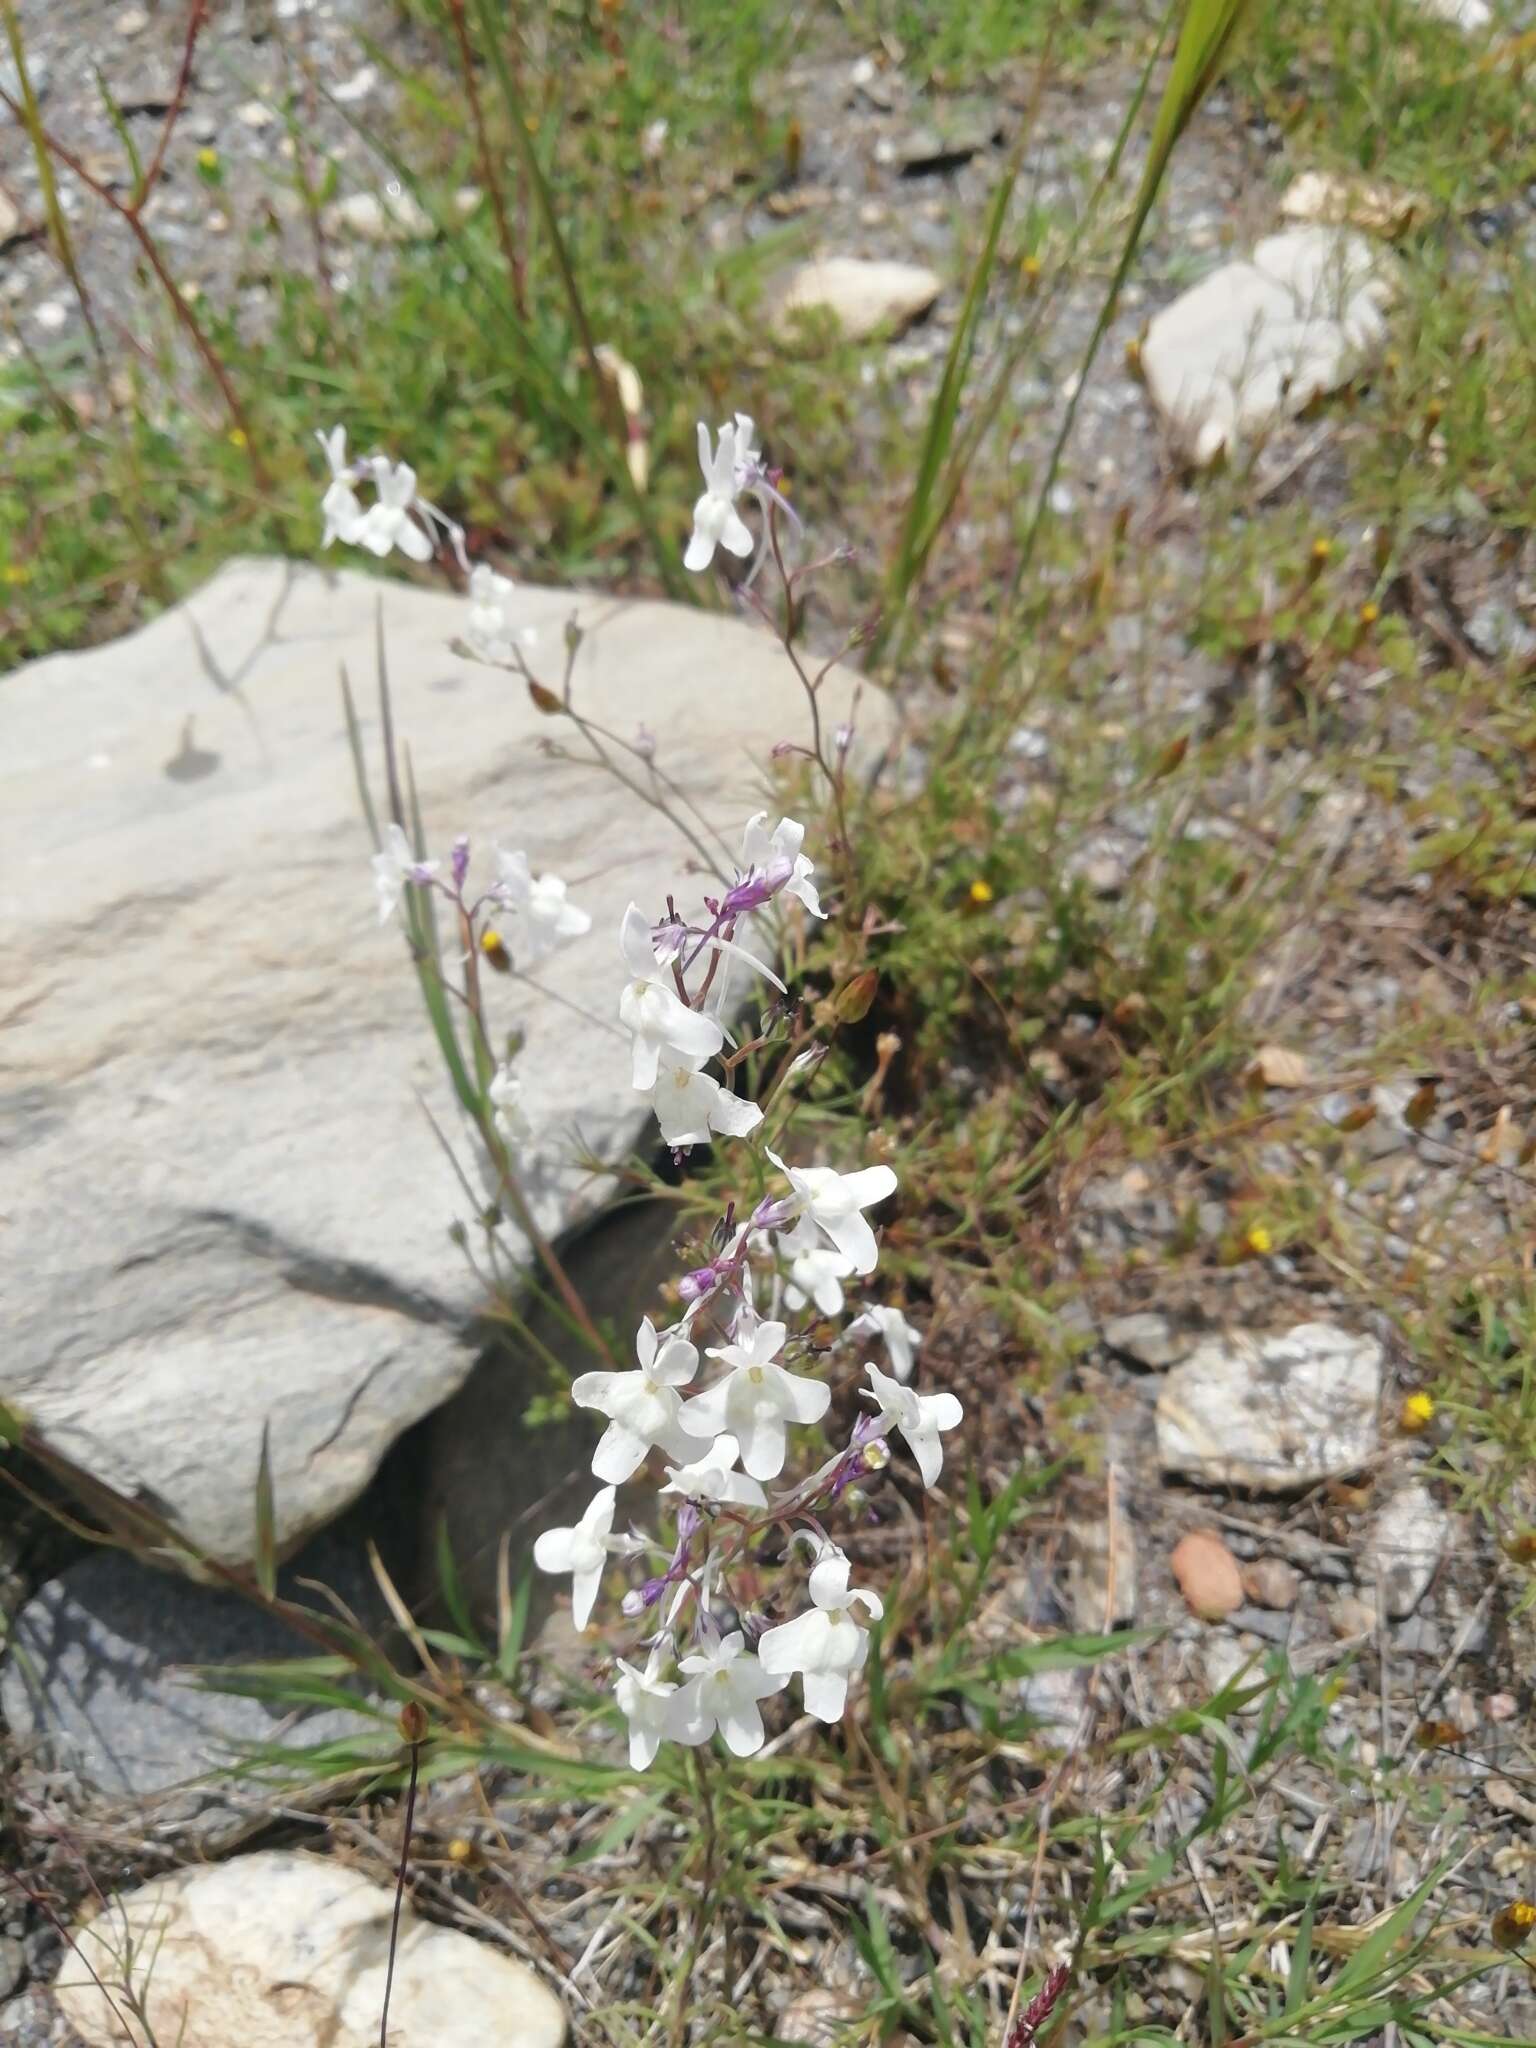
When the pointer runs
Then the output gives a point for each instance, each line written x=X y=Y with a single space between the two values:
x=1271 y=1414
x=99 y=1682
x=225 y=1206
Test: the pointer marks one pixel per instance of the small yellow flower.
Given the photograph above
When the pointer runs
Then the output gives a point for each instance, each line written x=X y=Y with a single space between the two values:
x=1418 y=1412
x=1369 y=614
x=981 y=892
x=1029 y=269
x=1322 y=548
x=238 y=438
x=494 y=947
x=1513 y=1925
x=1259 y=1240
x=462 y=1852
x=208 y=159
x=16 y=572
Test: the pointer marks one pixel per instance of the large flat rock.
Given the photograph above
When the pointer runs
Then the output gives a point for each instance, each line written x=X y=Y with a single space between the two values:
x=223 y=1205
x=100 y=1683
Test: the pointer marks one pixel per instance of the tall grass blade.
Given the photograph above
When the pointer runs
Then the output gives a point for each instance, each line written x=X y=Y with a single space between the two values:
x=266 y=1519
x=1205 y=41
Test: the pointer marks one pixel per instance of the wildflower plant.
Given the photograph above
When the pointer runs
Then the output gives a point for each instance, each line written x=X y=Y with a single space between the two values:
x=726 y=1412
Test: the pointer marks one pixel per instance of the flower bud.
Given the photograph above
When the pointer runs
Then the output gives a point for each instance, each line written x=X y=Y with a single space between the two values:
x=459 y=861
x=413 y=1723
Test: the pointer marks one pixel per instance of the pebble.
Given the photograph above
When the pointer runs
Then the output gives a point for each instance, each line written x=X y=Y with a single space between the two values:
x=1351 y=1616
x=13 y=1964
x=1208 y=1575
x=1404 y=1546
x=1148 y=1337
x=863 y=298
x=1271 y=1582
x=255 y=114
x=131 y=22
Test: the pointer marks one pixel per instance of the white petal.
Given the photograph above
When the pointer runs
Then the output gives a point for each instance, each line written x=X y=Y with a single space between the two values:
x=553 y=1550
x=742 y=1726
x=940 y=1411
x=788 y=1647
x=635 y=943
x=705 y=1414
x=584 y=1587
x=762 y=1446
x=733 y=1115
x=854 y=1239
x=643 y=1745
x=829 y=1579
x=700 y=551
x=736 y=536
x=645 y=1058
x=619 y=1455
x=872 y=1184
x=826 y=1694
x=806 y=1400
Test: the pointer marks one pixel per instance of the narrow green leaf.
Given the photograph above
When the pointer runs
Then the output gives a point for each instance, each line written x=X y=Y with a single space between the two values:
x=1300 y=1975
x=512 y=1624
x=1368 y=1959
x=359 y=759
x=266 y=1519
x=452 y=1588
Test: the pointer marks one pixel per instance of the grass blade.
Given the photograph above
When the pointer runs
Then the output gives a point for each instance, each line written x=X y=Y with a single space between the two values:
x=266 y=1519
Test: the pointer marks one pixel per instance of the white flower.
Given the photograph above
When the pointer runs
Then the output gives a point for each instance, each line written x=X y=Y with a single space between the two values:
x=388 y=523
x=901 y=1340
x=394 y=865
x=756 y=1400
x=342 y=512
x=816 y=1271
x=828 y=1644
x=582 y=1551
x=833 y=1201
x=724 y=1685
x=642 y=1406
x=548 y=915
x=506 y=1093
x=716 y=522
x=649 y=1704
x=917 y=1417
x=490 y=632
x=690 y=1105
x=713 y=1481
x=652 y=1010
x=777 y=854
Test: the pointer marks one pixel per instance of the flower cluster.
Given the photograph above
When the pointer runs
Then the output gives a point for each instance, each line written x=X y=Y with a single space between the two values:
x=723 y=1436
x=722 y=1432
x=398 y=517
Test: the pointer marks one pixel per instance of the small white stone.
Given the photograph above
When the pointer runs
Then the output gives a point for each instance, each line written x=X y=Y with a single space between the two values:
x=357 y=87
x=51 y=315
x=131 y=22
x=290 y=1950
x=865 y=298
x=1470 y=15
x=1259 y=340
x=1404 y=1546
x=392 y=215
x=1370 y=203
x=255 y=114
x=1274 y=1413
